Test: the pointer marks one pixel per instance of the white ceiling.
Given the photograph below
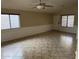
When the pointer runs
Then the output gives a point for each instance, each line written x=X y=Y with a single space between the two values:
x=28 y=5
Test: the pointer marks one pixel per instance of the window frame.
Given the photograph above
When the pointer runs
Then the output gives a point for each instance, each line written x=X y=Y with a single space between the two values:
x=10 y=21
x=67 y=20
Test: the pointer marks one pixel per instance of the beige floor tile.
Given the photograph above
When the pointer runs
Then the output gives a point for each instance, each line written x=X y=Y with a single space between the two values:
x=49 y=45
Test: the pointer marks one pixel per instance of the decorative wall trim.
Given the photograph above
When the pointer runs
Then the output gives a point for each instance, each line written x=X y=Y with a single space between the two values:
x=69 y=30
x=7 y=35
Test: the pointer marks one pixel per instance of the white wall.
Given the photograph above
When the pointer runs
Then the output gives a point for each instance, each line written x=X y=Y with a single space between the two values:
x=7 y=35
x=31 y=23
x=57 y=19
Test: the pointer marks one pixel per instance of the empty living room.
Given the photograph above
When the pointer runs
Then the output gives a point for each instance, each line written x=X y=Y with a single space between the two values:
x=39 y=29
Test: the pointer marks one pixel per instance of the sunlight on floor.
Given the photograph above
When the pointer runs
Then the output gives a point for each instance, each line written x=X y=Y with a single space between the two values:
x=47 y=46
x=66 y=41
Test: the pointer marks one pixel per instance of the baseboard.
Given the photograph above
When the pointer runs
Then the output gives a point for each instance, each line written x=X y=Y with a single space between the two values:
x=65 y=29
x=4 y=43
x=12 y=34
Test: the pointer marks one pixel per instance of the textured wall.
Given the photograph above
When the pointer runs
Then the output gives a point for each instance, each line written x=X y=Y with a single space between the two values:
x=31 y=23
x=57 y=21
x=28 y=18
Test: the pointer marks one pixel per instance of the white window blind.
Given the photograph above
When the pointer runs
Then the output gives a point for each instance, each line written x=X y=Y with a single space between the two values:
x=68 y=21
x=5 y=24
x=64 y=21
x=14 y=21
x=9 y=21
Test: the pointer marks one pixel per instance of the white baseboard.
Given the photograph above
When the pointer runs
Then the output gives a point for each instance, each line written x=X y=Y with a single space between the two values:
x=7 y=35
x=69 y=30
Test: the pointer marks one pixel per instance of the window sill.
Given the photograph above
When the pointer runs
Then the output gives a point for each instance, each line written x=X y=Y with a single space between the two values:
x=9 y=29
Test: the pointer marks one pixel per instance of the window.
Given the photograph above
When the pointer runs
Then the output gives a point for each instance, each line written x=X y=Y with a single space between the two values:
x=68 y=21
x=5 y=22
x=9 y=21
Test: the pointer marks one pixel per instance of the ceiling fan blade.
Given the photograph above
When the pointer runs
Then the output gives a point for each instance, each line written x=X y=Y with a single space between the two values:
x=40 y=1
x=48 y=6
x=33 y=7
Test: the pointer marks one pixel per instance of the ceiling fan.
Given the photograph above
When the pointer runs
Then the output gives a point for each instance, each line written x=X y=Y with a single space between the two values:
x=42 y=5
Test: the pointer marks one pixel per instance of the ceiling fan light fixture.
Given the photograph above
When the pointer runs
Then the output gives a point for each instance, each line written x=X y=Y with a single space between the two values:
x=40 y=7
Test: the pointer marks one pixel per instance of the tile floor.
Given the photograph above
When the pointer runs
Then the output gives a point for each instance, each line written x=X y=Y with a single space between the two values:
x=49 y=45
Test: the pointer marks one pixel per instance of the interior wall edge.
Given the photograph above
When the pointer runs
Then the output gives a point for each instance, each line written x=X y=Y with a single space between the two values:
x=23 y=32
x=27 y=31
